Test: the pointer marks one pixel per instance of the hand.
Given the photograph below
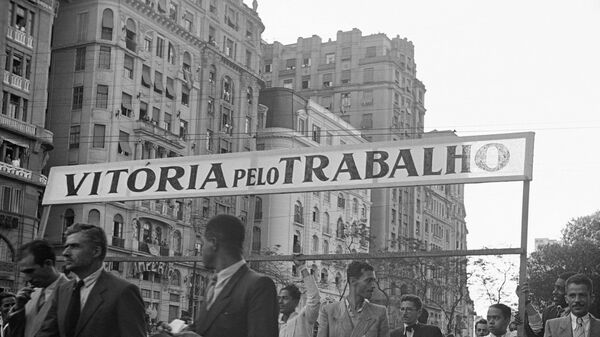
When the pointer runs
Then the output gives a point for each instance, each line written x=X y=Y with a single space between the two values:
x=22 y=297
x=297 y=262
x=523 y=290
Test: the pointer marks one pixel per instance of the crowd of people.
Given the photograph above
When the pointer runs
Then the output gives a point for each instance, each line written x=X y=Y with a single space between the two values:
x=240 y=302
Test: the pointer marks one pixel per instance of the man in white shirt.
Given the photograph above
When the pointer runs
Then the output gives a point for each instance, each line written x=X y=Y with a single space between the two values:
x=579 y=323
x=293 y=322
x=37 y=264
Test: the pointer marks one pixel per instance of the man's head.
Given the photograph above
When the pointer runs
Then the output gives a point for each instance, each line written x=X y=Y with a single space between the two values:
x=579 y=290
x=224 y=235
x=558 y=292
x=410 y=309
x=7 y=301
x=36 y=262
x=481 y=328
x=361 y=279
x=498 y=318
x=289 y=297
x=85 y=248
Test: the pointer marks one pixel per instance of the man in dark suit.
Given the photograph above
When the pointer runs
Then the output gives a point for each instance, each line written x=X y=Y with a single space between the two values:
x=579 y=322
x=37 y=264
x=95 y=303
x=355 y=316
x=239 y=302
x=410 y=308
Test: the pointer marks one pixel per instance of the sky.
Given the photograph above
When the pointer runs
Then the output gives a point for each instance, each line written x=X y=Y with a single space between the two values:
x=492 y=67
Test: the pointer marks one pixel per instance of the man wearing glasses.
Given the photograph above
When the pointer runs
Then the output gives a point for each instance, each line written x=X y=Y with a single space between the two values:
x=410 y=309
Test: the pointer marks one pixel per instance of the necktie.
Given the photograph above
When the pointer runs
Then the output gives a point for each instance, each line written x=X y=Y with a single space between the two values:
x=211 y=291
x=74 y=309
x=579 y=330
x=41 y=300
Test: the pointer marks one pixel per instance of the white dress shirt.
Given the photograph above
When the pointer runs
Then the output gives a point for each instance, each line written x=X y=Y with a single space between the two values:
x=223 y=277
x=586 y=324
x=88 y=284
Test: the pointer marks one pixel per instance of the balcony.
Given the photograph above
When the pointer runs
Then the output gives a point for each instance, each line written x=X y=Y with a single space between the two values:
x=17 y=125
x=164 y=251
x=143 y=247
x=156 y=132
x=20 y=37
x=23 y=174
x=118 y=242
x=16 y=81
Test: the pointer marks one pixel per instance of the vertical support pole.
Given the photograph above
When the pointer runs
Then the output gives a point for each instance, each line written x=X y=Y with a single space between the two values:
x=43 y=222
x=523 y=260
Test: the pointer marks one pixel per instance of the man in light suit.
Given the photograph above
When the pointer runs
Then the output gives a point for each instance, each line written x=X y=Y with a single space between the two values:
x=96 y=303
x=355 y=316
x=37 y=264
x=410 y=308
x=579 y=323
x=239 y=302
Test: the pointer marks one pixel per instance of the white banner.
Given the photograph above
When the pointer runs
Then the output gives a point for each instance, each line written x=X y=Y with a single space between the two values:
x=428 y=161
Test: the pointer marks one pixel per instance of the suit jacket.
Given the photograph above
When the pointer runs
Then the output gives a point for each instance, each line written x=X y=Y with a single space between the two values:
x=561 y=327
x=246 y=307
x=548 y=313
x=334 y=321
x=28 y=321
x=114 y=308
x=420 y=330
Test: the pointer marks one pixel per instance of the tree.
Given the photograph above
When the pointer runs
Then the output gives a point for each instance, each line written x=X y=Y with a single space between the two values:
x=497 y=276
x=585 y=228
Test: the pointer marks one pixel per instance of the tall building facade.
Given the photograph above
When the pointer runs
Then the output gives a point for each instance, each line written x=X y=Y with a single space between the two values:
x=371 y=83
x=318 y=222
x=24 y=140
x=146 y=79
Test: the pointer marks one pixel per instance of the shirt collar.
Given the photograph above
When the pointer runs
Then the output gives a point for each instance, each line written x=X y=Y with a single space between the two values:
x=359 y=310
x=228 y=272
x=91 y=279
x=586 y=319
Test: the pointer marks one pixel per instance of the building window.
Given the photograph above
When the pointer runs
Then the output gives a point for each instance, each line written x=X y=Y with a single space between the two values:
x=188 y=20
x=107 y=25
x=316 y=133
x=158 y=82
x=128 y=66
x=126 y=107
x=80 y=59
x=298 y=213
x=301 y=125
x=249 y=30
x=367 y=121
x=209 y=141
x=371 y=52
x=212 y=35
x=346 y=100
x=186 y=67
x=268 y=67
x=74 y=135
x=82 y=24
x=305 y=62
x=258 y=212
x=99 y=135
x=288 y=83
x=148 y=43
x=229 y=47
x=213 y=6
x=316 y=215
x=227 y=92
x=171 y=54
x=341 y=201
x=155 y=116
x=339 y=232
x=290 y=64
x=212 y=75
x=167 y=121
x=130 y=35
x=315 y=244
x=326 y=227
x=327 y=80
x=329 y=58
x=367 y=97
x=249 y=59
x=104 y=57
x=256 y=239
x=102 y=96
x=160 y=46
x=305 y=82
x=185 y=96
x=173 y=11
x=368 y=75
x=143 y=116
x=146 y=80
x=225 y=146
x=345 y=76
x=170 y=93
x=123 y=147
x=346 y=53
x=231 y=17
x=183 y=128
x=77 y=97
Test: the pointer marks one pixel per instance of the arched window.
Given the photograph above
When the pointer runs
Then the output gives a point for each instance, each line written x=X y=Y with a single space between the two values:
x=94 y=217
x=107 y=24
x=212 y=74
x=136 y=230
x=157 y=235
x=69 y=218
x=315 y=244
x=325 y=247
x=315 y=214
x=175 y=278
x=258 y=214
x=130 y=35
x=326 y=225
x=324 y=275
x=249 y=95
x=177 y=242
x=117 y=226
x=256 y=239
x=227 y=89
x=297 y=243
x=298 y=212
x=341 y=201
x=171 y=54
x=146 y=230
x=339 y=232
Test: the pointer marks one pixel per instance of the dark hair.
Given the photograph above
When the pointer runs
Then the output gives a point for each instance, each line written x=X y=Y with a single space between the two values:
x=6 y=294
x=229 y=232
x=293 y=290
x=580 y=279
x=40 y=249
x=412 y=298
x=505 y=309
x=356 y=268
x=93 y=233
x=481 y=321
x=565 y=276
x=423 y=317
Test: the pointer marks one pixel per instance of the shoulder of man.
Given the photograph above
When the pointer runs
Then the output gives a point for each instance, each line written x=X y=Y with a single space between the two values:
x=378 y=307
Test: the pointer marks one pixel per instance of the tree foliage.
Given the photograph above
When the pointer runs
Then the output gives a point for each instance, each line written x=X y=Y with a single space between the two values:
x=585 y=228
x=497 y=276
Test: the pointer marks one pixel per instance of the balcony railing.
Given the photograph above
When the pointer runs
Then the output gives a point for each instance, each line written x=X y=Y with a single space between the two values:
x=118 y=242
x=20 y=37
x=143 y=247
x=164 y=251
x=14 y=171
x=17 y=125
x=158 y=132
x=16 y=81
